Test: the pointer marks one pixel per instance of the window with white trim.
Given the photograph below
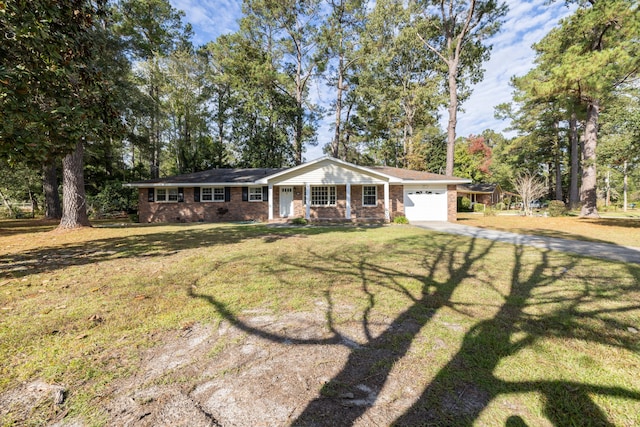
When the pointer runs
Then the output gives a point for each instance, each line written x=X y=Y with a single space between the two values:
x=369 y=195
x=322 y=195
x=212 y=194
x=255 y=194
x=166 y=194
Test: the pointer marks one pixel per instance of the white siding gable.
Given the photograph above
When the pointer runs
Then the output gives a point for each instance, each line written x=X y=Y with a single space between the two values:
x=326 y=173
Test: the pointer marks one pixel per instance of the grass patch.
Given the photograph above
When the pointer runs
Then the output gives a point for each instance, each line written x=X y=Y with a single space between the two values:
x=498 y=331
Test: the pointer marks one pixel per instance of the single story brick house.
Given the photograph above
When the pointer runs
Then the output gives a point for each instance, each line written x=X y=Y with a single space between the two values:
x=322 y=189
x=484 y=193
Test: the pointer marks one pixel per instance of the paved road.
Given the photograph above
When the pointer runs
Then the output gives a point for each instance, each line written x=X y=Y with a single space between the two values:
x=592 y=249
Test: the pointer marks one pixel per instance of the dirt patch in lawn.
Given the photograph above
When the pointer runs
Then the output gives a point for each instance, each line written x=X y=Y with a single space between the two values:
x=225 y=376
x=222 y=375
x=262 y=371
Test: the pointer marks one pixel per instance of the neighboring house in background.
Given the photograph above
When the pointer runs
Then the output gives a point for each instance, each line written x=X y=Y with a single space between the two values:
x=322 y=189
x=486 y=194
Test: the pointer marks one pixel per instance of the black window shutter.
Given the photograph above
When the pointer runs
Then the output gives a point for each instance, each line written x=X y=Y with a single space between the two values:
x=196 y=194
x=265 y=194
x=245 y=194
x=180 y=194
x=151 y=195
x=227 y=194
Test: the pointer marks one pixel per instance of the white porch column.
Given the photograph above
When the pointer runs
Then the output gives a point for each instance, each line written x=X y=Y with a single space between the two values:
x=270 y=202
x=348 y=214
x=307 y=213
x=386 y=202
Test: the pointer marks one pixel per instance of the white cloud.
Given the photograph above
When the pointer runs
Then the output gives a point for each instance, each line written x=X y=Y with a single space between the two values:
x=527 y=22
x=210 y=18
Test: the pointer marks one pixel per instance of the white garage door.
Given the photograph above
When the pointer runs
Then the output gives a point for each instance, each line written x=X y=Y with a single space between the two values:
x=425 y=204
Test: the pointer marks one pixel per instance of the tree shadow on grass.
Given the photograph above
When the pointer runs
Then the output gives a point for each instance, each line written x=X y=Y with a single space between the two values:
x=468 y=383
x=368 y=366
x=144 y=245
x=26 y=226
x=615 y=222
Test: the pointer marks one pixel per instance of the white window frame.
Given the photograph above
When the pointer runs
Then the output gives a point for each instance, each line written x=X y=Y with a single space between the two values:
x=169 y=194
x=331 y=195
x=216 y=195
x=374 y=195
x=255 y=194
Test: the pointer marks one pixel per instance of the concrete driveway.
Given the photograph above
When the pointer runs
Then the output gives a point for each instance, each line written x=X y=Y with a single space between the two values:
x=592 y=249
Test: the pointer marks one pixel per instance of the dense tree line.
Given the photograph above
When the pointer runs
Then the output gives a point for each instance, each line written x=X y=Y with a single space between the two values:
x=105 y=92
x=580 y=102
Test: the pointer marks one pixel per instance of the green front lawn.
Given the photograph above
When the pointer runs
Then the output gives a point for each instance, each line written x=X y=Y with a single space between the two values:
x=523 y=334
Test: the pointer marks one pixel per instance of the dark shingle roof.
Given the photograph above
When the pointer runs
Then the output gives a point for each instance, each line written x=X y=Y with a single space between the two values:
x=478 y=187
x=238 y=176
x=411 y=175
x=250 y=175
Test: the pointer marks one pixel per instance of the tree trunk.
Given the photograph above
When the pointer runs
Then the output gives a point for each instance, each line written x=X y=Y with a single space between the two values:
x=607 y=200
x=52 y=209
x=347 y=137
x=574 y=196
x=453 y=117
x=335 y=145
x=297 y=144
x=558 y=171
x=74 y=206
x=588 y=195
x=34 y=204
x=299 y=132
x=154 y=133
x=557 y=165
x=625 y=184
x=7 y=204
x=108 y=156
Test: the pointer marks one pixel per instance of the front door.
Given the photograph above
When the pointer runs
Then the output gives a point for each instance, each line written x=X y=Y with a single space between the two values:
x=286 y=202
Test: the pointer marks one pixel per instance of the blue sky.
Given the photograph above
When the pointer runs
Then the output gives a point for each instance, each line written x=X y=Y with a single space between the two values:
x=526 y=23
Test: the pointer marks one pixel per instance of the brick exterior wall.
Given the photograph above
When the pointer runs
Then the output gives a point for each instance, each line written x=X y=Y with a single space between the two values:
x=452 y=195
x=396 y=201
x=358 y=211
x=238 y=210
x=190 y=211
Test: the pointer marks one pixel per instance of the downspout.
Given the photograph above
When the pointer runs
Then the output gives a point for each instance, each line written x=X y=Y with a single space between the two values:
x=386 y=202
x=307 y=213
x=270 y=202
